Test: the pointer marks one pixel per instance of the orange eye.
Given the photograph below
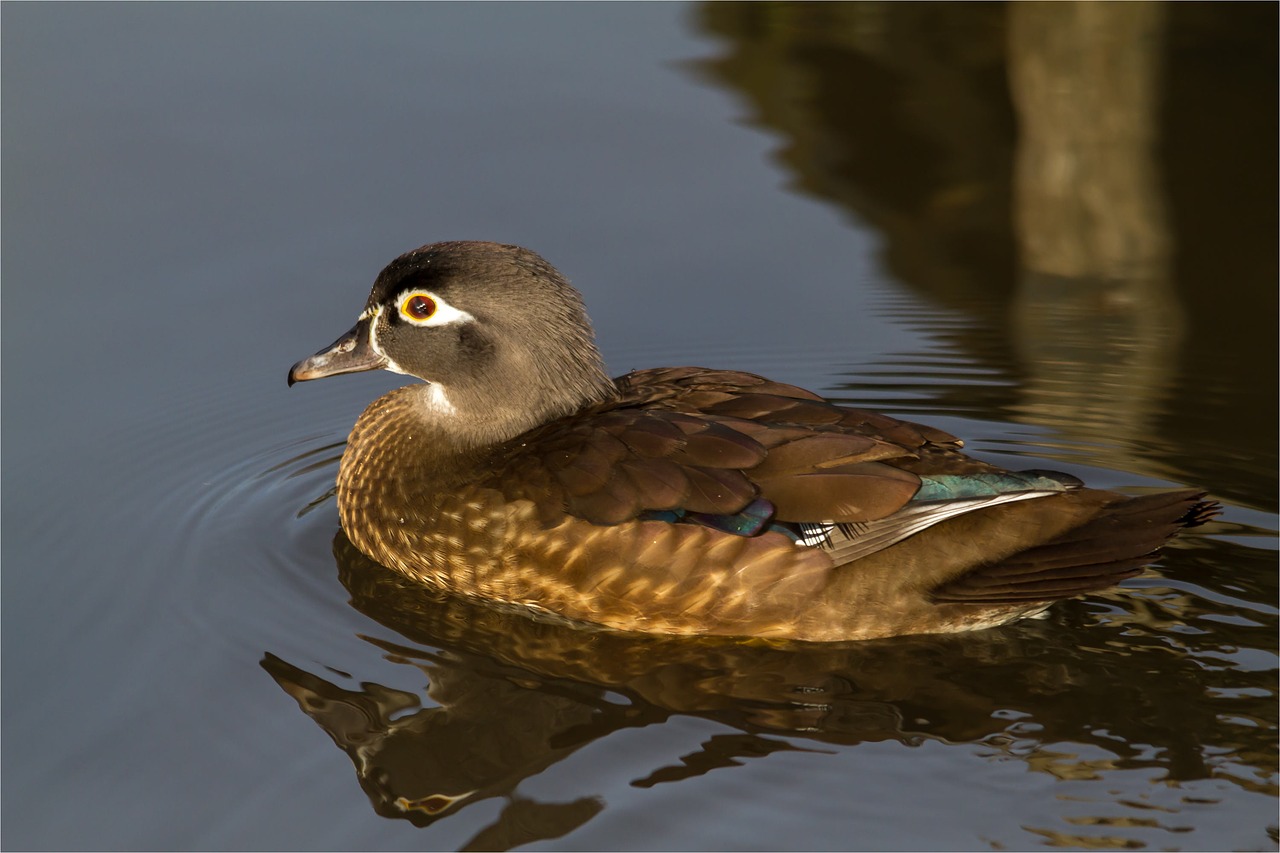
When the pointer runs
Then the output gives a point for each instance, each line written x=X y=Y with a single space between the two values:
x=418 y=307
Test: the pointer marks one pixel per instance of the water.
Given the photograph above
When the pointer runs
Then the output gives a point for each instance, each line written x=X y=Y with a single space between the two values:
x=197 y=196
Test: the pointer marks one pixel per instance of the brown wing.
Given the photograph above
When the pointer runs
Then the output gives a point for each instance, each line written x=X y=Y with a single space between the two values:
x=1122 y=538
x=610 y=466
x=746 y=395
x=711 y=442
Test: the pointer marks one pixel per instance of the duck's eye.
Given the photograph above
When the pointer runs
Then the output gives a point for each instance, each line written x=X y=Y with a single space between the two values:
x=418 y=307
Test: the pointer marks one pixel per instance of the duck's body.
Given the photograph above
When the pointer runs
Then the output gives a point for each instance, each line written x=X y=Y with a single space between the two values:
x=686 y=500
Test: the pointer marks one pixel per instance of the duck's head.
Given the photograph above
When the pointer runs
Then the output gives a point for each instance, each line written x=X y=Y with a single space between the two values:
x=497 y=332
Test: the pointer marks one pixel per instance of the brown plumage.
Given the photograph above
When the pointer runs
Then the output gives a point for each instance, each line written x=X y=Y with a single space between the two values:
x=686 y=500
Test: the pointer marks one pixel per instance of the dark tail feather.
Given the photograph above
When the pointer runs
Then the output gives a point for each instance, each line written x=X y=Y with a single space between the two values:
x=1200 y=513
x=1099 y=553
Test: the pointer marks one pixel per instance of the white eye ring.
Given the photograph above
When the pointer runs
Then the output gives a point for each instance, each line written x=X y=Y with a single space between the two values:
x=440 y=313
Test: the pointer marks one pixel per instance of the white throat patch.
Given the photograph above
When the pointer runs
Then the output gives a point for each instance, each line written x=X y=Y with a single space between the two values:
x=438 y=400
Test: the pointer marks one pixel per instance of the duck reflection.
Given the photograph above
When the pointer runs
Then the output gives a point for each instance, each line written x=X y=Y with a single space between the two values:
x=487 y=735
x=515 y=694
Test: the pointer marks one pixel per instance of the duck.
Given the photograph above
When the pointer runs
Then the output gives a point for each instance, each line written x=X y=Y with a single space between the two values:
x=686 y=500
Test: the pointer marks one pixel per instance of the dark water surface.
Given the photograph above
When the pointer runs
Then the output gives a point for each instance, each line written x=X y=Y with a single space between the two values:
x=1048 y=229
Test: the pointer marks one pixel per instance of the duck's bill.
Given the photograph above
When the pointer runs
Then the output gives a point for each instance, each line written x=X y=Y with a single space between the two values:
x=350 y=353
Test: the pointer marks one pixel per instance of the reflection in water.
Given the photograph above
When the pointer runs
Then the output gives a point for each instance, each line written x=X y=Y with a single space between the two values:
x=1090 y=182
x=1085 y=82
x=897 y=112
x=1096 y=319
x=510 y=695
x=429 y=763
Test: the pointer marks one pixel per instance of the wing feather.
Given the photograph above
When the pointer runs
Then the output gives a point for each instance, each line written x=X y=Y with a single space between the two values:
x=712 y=441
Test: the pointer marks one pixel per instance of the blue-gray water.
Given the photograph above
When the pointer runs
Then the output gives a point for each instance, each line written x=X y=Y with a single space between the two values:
x=865 y=199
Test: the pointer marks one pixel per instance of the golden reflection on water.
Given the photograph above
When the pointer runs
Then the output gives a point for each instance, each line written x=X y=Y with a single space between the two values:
x=1095 y=317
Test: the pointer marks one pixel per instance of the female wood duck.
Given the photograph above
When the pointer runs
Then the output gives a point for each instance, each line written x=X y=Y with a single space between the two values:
x=685 y=500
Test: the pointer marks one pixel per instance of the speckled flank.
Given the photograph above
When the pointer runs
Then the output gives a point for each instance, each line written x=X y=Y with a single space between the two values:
x=639 y=576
